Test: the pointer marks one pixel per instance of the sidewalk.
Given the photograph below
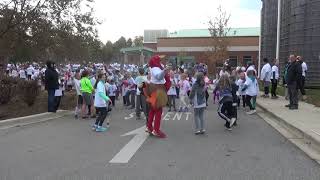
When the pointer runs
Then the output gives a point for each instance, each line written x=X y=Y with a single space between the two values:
x=304 y=122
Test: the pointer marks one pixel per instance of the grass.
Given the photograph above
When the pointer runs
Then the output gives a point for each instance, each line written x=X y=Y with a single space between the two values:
x=313 y=95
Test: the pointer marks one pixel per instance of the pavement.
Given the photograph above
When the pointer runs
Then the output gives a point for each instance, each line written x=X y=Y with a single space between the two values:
x=65 y=148
x=303 y=123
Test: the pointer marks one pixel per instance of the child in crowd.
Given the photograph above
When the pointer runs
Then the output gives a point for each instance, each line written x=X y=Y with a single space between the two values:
x=198 y=100
x=101 y=102
x=59 y=93
x=216 y=93
x=251 y=89
x=141 y=98
x=225 y=110
x=76 y=82
x=124 y=88
x=86 y=90
x=241 y=94
x=172 y=92
x=184 y=88
x=112 y=90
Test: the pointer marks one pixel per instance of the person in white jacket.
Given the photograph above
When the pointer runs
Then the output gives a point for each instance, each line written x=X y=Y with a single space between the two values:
x=265 y=77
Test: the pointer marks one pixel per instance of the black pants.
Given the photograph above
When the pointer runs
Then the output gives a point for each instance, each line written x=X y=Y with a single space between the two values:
x=302 y=90
x=133 y=98
x=266 y=87
x=293 y=94
x=207 y=97
x=113 y=100
x=248 y=102
x=101 y=115
x=178 y=91
x=226 y=111
x=274 y=87
x=243 y=97
x=57 y=101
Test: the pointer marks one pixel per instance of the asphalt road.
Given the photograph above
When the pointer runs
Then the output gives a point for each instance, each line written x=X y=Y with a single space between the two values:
x=68 y=149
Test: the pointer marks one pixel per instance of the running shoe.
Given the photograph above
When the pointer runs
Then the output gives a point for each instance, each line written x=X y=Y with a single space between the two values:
x=101 y=129
x=159 y=134
x=94 y=126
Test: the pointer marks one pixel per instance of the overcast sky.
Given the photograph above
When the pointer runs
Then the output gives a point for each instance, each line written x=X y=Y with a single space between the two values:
x=129 y=18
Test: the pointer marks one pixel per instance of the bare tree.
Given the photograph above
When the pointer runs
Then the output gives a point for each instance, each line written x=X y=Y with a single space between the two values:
x=218 y=27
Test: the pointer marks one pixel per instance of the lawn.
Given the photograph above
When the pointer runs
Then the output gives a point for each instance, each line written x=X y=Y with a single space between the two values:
x=313 y=95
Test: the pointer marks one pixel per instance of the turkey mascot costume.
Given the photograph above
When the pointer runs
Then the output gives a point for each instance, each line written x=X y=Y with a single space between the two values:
x=156 y=92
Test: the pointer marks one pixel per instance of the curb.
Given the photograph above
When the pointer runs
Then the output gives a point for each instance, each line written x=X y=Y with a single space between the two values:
x=32 y=119
x=307 y=139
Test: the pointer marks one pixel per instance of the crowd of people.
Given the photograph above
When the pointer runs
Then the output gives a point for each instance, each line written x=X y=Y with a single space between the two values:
x=150 y=88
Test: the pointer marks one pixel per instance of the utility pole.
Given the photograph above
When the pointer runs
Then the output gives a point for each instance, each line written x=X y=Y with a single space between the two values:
x=278 y=30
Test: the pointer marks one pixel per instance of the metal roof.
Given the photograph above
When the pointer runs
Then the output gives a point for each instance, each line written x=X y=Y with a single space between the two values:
x=136 y=49
x=250 y=31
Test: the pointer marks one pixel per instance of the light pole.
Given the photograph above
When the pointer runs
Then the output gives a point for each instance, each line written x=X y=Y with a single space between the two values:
x=278 y=30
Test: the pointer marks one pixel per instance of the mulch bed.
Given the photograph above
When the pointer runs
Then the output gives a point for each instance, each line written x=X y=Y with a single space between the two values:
x=17 y=108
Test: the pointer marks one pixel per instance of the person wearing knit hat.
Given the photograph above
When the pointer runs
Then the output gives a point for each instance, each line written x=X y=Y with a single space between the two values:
x=156 y=92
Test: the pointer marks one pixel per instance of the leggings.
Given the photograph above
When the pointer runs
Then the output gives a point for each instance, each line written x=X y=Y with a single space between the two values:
x=101 y=115
x=248 y=102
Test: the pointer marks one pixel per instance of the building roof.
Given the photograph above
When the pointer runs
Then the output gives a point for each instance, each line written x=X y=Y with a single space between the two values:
x=251 y=31
x=137 y=49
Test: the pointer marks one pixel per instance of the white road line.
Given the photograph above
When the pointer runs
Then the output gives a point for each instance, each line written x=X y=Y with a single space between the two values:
x=128 y=151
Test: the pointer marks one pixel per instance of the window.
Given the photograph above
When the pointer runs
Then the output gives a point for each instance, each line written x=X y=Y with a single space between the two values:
x=233 y=60
x=246 y=59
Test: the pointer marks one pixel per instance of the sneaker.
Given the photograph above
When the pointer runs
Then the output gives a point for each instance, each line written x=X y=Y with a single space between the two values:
x=94 y=126
x=159 y=134
x=203 y=131
x=197 y=132
x=101 y=129
x=232 y=121
x=229 y=129
x=293 y=108
x=251 y=112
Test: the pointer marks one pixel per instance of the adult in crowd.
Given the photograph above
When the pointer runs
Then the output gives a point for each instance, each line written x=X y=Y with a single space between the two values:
x=293 y=78
x=274 y=79
x=304 y=72
x=265 y=77
x=51 y=84
x=286 y=94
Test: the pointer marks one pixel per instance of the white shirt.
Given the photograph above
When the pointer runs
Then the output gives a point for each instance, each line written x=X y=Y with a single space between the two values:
x=22 y=74
x=77 y=86
x=266 y=73
x=99 y=101
x=14 y=73
x=275 y=70
x=241 y=84
x=304 y=69
x=172 y=90
x=112 y=88
x=30 y=70
x=252 y=89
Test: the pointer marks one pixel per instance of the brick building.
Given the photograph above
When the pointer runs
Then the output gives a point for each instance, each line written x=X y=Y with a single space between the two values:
x=192 y=45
